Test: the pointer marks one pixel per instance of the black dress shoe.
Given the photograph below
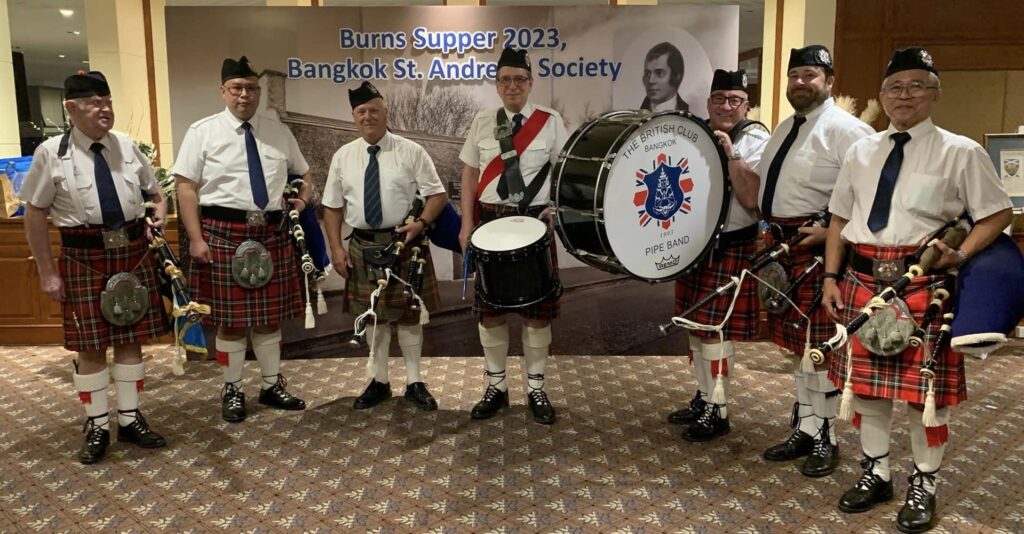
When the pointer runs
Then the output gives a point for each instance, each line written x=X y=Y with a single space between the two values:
x=493 y=400
x=709 y=426
x=418 y=394
x=277 y=397
x=543 y=412
x=824 y=455
x=232 y=404
x=374 y=394
x=96 y=442
x=139 y=433
x=918 y=512
x=691 y=413
x=797 y=445
x=869 y=490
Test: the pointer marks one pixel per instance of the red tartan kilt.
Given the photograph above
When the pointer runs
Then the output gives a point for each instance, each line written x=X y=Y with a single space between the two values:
x=232 y=305
x=725 y=263
x=85 y=273
x=899 y=376
x=393 y=304
x=546 y=310
x=789 y=329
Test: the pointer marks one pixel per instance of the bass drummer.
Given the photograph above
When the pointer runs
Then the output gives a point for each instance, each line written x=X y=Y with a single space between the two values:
x=507 y=156
x=743 y=142
x=798 y=171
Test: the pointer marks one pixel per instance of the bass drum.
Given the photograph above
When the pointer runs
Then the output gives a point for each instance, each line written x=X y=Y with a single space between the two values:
x=641 y=194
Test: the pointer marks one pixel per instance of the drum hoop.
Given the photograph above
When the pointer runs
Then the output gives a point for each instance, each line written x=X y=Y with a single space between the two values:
x=556 y=288
x=477 y=250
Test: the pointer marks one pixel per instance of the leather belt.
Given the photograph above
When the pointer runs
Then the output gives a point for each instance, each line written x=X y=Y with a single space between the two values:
x=742 y=235
x=100 y=237
x=881 y=270
x=370 y=235
x=250 y=218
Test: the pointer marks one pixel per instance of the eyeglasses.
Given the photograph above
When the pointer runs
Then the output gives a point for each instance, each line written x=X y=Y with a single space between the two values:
x=237 y=90
x=734 y=101
x=506 y=81
x=98 y=102
x=914 y=89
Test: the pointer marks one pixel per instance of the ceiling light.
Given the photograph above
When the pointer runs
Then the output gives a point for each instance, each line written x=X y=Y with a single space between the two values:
x=60 y=56
x=86 y=61
x=74 y=32
x=66 y=13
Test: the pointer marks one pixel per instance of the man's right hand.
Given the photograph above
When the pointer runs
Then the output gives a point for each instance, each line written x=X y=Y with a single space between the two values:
x=200 y=251
x=341 y=262
x=832 y=300
x=53 y=286
x=464 y=238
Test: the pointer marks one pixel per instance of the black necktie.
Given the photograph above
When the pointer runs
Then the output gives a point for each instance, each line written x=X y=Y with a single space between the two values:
x=371 y=189
x=776 y=166
x=517 y=123
x=503 y=183
x=110 y=203
x=257 y=181
x=879 y=217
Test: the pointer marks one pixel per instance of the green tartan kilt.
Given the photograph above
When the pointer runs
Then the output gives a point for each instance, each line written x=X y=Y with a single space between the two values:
x=393 y=304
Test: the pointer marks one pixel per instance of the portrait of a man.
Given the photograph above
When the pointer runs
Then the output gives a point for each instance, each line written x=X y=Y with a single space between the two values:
x=663 y=74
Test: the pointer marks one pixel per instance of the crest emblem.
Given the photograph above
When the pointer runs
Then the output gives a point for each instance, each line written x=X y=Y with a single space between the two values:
x=926 y=58
x=824 y=57
x=743 y=81
x=663 y=192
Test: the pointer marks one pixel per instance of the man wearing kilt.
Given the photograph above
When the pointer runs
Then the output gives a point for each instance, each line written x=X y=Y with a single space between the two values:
x=231 y=171
x=711 y=355
x=371 y=185
x=495 y=187
x=798 y=171
x=92 y=183
x=897 y=187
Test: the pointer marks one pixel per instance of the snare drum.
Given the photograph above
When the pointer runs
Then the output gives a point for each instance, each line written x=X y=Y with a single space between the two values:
x=641 y=194
x=514 y=268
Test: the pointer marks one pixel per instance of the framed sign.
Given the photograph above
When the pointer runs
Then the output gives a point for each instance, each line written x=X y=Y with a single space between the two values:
x=1007 y=153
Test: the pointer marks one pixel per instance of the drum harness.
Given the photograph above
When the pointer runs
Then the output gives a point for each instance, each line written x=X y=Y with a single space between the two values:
x=306 y=264
x=382 y=262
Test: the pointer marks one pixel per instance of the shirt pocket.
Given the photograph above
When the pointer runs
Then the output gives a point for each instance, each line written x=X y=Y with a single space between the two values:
x=131 y=175
x=85 y=188
x=275 y=163
x=489 y=149
x=921 y=193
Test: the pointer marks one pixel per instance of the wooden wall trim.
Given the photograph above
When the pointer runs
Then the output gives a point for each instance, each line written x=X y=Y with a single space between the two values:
x=779 y=12
x=154 y=123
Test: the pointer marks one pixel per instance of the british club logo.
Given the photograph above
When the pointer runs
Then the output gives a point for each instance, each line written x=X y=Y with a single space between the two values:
x=664 y=192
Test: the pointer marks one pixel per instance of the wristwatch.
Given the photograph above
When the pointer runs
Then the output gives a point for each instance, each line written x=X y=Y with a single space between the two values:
x=426 y=224
x=962 y=255
x=834 y=276
x=735 y=155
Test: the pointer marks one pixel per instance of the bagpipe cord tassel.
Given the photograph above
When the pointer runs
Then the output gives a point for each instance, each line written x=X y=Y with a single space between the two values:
x=846 y=405
x=928 y=414
x=310 y=320
x=321 y=302
x=178 y=363
x=718 y=393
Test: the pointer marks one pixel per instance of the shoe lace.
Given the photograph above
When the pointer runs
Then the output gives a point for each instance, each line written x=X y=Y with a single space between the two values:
x=917 y=494
x=93 y=432
x=538 y=397
x=709 y=417
x=822 y=442
x=234 y=398
x=869 y=479
x=495 y=374
x=491 y=393
x=794 y=420
x=139 y=425
x=278 y=382
x=698 y=402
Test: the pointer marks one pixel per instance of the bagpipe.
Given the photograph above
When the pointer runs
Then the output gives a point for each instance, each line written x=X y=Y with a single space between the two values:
x=989 y=297
x=766 y=258
x=310 y=246
x=186 y=314
x=383 y=263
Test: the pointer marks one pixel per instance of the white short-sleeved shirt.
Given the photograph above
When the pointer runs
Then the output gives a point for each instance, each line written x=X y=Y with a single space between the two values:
x=213 y=155
x=942 y=175
x=811 y=167
x=750 y=145
x=405 y=167
x=481 y=147
x=68 y=187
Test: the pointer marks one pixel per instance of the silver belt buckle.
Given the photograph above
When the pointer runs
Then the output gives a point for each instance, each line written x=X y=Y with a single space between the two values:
x=114 y=238
x=255 y=218
x=887 y=270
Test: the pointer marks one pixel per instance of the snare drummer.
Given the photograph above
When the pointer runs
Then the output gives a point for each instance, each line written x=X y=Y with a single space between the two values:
x=371 y=185
x=523 y=188
x=798 y=171
x=712 y=355
x=896 y=187
x=231 y=171
x=92 y=182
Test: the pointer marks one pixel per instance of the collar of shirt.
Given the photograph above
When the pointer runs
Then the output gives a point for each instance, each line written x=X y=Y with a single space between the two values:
x=85 y=142
x=526 y=112
x=917 y=132
x=236 y=123
x=816 y=112
x=385 y=143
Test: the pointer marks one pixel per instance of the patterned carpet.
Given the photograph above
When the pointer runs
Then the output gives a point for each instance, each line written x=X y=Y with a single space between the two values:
x=610 y=464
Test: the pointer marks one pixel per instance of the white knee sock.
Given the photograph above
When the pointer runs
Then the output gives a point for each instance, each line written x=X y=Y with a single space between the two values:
x=804 y=413
x=875 y=431
x=718 y=358
x=929 y=443
x=495 y=343
x=231 y=356
x=824 y=401
x=128 y=381
x=92 y=391
x=267 y=348
x=536 y=344
x=381 y=351
x=695 y=347
x=410 y=339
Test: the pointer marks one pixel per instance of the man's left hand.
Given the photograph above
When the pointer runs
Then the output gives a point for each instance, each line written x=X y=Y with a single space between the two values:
x=949 y=257
x=723 y=139
x=548 y=216
x=816 y=235
x=297 y=204
x=411 y=230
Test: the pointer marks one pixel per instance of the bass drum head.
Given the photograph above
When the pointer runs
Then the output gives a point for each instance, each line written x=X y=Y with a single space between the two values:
x=508 y=233
x=665 y=197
